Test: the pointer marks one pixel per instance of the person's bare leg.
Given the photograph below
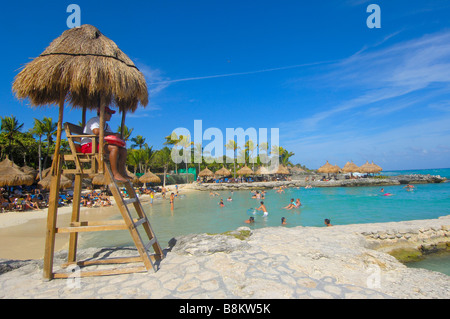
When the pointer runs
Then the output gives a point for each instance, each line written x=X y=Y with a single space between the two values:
x=121 y=166
x=113 y=160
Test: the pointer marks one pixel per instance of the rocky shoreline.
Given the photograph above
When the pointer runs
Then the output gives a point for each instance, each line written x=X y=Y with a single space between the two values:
x=299 y=181
x=348 y=261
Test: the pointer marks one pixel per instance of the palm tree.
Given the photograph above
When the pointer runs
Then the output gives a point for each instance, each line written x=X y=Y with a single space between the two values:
x=38 y=129
x=138 y=141
x=126 y=132
x=173 y=140
x=263 y=152
x=12 y=128
x=185 y=143
x=232 y=145
x=163 y=157
x=49 y=129
x=198 y=155
x=285 y=158
x=249 y=149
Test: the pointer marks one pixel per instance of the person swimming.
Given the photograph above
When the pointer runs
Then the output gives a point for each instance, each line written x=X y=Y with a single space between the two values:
x=290 y=205
x=263 y=209
x=283 y=221
x=221 y=204
x=251 y=220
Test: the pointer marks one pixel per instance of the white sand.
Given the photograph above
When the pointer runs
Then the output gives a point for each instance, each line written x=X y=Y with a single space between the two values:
x=22 y=234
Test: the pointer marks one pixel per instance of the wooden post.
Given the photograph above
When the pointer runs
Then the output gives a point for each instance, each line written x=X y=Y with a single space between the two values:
x=83 y=118
x=73 y=238
x=122 y=125
x=101 y=136
x=53 y=198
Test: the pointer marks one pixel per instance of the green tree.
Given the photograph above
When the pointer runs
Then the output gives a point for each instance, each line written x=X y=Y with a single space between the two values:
x=38 y=130
x=185 y=143
x=126 y=132
x=138 y=141
x=49 y=129
x=11 y=127
x=162 y=158
x=232 y=145
x=173 y=140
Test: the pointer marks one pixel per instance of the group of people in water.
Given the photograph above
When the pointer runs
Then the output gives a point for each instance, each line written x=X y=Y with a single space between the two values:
x=262 y=209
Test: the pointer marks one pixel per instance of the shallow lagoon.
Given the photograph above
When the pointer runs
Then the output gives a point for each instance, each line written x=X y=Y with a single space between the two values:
x=198 y=212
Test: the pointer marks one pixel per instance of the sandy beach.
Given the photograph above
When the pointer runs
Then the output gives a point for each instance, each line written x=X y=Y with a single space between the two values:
x=22 y=234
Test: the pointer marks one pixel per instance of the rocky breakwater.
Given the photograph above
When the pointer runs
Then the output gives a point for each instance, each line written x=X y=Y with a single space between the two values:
x=340 y=182
x=349 y=261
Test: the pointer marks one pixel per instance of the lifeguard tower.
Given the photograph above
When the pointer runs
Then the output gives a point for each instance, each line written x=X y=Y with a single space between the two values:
x=87 y=70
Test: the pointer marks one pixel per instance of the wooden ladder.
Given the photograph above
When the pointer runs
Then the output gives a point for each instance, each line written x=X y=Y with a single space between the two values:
x=76 y=226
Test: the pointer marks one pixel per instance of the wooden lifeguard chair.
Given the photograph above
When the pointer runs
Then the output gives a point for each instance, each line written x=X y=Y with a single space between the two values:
x=88 y=70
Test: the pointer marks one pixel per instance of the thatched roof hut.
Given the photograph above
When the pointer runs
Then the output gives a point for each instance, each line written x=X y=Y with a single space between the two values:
x=223 y=172
x=368 y=168
x=377 y=167
x=262 y=171
x=281 y=170
x=65 y=182
x=149 y=177
x=350 y=167
x=245 y=171
x=29 y=171
x=84 y=66
x=10 y=175
x=8 y=163
x=328 y=168
x=206 y=172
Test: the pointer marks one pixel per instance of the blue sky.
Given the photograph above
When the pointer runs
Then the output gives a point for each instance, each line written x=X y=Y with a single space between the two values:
x=337 y=90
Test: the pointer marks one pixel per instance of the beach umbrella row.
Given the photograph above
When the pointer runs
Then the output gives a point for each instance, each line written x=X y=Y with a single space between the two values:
x=350 y=167
x=244 y=171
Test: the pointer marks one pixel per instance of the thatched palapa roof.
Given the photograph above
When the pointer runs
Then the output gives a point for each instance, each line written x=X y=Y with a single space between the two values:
x=149 y=177
x=11 y=175
x=328 y=168
x=245 y=171
x=205 y=172
x=223 y=172
x=350 y=167
x=85 y=66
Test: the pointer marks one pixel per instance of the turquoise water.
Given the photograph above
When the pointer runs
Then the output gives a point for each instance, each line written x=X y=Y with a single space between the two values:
x=200 y=213
x=437 y=262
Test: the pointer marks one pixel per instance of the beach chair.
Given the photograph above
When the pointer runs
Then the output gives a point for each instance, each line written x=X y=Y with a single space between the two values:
x=87 y=164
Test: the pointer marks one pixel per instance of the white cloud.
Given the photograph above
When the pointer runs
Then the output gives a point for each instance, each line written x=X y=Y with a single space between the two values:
x=400 y=79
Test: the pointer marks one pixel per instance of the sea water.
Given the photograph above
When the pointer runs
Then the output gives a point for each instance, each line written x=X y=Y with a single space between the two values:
x=198 y=212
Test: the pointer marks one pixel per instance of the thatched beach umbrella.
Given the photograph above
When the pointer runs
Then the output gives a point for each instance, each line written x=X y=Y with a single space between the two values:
x=29 y=171
x=8 y=163
x=12 y=176
x=377 y=167
x=83 y=66
x=370 y=168
x=149 y=177
x=223 y=172
x=245 y=171
x=88 y=70
x=296 y=170
x=328 y=168
x=281 y=170
x=350 y=167
x=64 y=183
x=205 y=173
x=262 y=171
x=99 y=179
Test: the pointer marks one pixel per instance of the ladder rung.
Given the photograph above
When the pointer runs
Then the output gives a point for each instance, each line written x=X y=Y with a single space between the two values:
x=150 y=243
x=140 y=222
x=130 y=201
